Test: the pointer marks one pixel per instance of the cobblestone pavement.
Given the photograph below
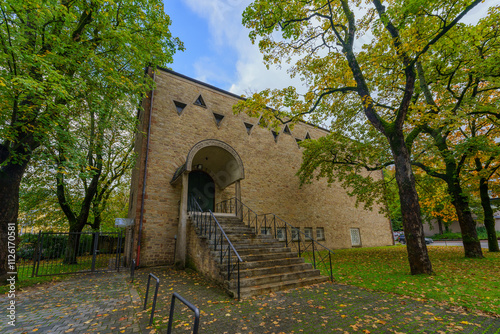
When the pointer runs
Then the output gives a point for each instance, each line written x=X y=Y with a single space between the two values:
x=101 y=303
x=108 y=303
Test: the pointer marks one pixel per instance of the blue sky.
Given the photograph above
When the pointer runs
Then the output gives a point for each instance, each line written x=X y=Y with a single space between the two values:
x=219 y=52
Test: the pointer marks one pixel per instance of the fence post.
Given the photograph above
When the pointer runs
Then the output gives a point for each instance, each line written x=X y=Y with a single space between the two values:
x=314 y=255
x=331 y=269
x=40 y=249
x=36 y=254
x=132 y=270
x=94 y=251
x=118 y=252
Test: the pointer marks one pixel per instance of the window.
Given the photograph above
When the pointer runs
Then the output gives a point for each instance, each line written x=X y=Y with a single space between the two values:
x=179 y=106
x=265 y=230
x=249 y=127
x=218 y=119
x=275 y=135
x=298 y=140
x=355 y=237
x=199 y=102
x=320 y=233
x=287 y=130
x=295 y=234
x=308 y=231
x=281 y=233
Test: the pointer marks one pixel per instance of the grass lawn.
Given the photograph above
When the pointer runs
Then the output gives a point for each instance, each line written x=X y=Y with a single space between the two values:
x=470 y=283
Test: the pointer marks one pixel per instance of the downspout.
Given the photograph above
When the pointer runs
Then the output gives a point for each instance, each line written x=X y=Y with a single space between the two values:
x=145 y=174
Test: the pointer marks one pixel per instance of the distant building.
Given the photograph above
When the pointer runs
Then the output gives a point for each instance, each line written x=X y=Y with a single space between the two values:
x=198 y=147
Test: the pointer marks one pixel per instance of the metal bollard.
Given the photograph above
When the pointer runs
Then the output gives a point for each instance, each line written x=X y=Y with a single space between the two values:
x=132 y=271
x=154 y=298
x=188 y=304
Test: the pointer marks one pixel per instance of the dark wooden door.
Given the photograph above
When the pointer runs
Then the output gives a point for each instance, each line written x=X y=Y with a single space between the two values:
x=202 y=187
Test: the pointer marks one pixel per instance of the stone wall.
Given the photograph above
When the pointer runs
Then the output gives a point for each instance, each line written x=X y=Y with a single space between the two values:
x=270 y=183
x=199 y=254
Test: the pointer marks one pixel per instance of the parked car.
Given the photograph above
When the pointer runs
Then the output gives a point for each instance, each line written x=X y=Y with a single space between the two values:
x=402 y=240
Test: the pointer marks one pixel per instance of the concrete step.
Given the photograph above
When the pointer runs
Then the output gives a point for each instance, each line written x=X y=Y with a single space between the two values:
x=274 y=270
x=267 y=264
x=262 y=250
x=267 y=256
x=250 y=291
x=272 y=278
x=246 y=273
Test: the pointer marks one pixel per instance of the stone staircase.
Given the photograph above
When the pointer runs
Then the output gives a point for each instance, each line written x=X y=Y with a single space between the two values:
x=267 y=264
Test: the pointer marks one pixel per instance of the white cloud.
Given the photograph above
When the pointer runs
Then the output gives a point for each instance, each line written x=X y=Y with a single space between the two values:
x=224 y=18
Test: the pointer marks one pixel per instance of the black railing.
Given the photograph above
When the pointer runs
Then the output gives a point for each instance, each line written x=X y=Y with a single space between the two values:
x=305 y=245
x=208 y=226
x=233 y=205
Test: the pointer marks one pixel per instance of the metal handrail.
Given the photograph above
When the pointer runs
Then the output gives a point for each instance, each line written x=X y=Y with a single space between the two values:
x=251 y=216
x=305 y=245
x=203 y=221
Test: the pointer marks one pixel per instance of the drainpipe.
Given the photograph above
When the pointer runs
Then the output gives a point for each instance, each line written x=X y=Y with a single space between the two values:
x=139 y=236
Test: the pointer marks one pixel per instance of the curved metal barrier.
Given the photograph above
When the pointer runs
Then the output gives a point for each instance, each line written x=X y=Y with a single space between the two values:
x=193 y=308
x=154 y=298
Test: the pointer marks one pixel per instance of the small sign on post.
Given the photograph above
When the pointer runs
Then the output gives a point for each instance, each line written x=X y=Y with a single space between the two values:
x=124 y=222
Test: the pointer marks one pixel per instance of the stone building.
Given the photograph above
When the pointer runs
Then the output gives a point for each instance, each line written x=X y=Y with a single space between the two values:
x=191 y=143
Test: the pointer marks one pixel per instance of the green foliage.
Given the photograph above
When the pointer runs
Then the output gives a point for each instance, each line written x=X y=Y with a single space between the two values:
x=359 y=70
x=71 y=75
x=353 y=164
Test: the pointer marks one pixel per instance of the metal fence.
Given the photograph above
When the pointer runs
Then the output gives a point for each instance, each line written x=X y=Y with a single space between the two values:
x=58 y=253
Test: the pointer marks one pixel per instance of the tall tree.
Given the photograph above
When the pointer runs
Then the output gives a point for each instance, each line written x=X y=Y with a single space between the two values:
x=90 y=156
x=458 y=78
x=382 y=75
x=47 y=48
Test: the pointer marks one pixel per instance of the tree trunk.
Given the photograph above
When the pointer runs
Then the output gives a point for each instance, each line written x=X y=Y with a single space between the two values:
x=489 y=219
x=410 y=209
x=472 y=246
x=10 y=179
x=440 y=225
x=72 y=247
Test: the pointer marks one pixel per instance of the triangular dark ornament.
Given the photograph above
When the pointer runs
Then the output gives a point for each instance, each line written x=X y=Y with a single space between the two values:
x=287 y=130
x=298 y=140
x=179 y=106
x=249 y=127
x=199 y=102
x=218 y=118
x=275 y=135
x=308 y=136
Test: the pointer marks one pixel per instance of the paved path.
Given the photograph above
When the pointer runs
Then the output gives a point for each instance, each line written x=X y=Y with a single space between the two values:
x=110 y=304
x=101 y=303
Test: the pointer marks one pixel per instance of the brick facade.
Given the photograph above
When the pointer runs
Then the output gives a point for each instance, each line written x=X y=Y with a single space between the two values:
x=270 y=183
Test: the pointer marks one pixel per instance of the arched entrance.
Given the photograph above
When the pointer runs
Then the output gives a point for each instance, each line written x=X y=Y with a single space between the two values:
x=201 y=186
x=211 y=165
